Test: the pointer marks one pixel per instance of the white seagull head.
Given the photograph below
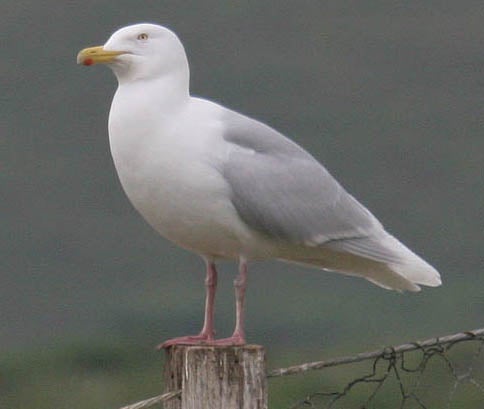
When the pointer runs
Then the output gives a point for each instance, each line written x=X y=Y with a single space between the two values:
x=139 y=52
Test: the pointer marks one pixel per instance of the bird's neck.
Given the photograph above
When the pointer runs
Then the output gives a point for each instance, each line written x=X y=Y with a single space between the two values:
x=141 y=106
x=161 y=96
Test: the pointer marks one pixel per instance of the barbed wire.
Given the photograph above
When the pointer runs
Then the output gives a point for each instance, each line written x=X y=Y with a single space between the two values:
x=418 y=345
x=147 y=403
x=392 y=364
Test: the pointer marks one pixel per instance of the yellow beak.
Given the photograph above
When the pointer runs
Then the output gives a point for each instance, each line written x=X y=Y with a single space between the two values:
x=97 y=55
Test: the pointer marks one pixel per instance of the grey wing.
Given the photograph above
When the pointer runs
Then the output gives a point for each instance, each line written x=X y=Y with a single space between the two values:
x=281 y=191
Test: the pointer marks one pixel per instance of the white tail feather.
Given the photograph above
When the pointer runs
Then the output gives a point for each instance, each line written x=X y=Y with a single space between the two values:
x=381 y=259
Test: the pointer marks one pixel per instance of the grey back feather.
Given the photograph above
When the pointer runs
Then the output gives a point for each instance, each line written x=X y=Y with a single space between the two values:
x=281 y=191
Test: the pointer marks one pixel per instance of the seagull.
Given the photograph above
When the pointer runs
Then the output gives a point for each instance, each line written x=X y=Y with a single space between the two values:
x=226 y=186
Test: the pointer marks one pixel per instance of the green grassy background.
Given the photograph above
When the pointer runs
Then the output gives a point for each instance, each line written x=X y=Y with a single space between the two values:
x=83 y=375
x=388 y=95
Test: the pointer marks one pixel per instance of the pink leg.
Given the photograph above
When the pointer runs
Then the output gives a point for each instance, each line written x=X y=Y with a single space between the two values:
x=207 y=333
x=208 y=329
x=240 y=284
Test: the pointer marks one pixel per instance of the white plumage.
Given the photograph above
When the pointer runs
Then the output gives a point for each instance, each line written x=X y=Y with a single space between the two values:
x=226 y=186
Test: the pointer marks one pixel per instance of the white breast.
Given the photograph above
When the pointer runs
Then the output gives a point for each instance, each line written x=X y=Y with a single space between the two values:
x=168 y=170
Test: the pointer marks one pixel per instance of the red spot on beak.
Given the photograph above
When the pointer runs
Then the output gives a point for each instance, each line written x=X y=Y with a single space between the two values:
x=88 y=61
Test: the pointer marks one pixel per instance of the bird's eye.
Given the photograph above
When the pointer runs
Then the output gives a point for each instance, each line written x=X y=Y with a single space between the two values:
x=143 y=36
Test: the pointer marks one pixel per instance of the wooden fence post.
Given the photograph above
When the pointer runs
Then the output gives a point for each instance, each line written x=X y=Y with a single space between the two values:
x=216 y=377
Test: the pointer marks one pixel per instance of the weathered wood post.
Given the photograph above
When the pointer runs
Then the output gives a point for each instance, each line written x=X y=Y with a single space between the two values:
x=216 y=377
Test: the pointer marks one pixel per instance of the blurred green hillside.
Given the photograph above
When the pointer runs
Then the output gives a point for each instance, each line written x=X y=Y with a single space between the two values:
x=388 y=95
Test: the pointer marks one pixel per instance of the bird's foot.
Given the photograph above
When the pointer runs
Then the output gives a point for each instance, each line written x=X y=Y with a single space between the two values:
x=234 y=340
x=204 y=339
x=200 y=339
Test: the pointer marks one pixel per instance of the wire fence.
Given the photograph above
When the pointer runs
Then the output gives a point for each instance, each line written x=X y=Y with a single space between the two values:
x=148 y=403
x=424 y=375
x=438 y=373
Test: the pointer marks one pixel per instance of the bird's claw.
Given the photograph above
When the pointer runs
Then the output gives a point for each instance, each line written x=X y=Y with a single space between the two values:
x=203 y=339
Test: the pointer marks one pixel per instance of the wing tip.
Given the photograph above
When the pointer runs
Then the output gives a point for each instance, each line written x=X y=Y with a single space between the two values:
x=418 y=273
